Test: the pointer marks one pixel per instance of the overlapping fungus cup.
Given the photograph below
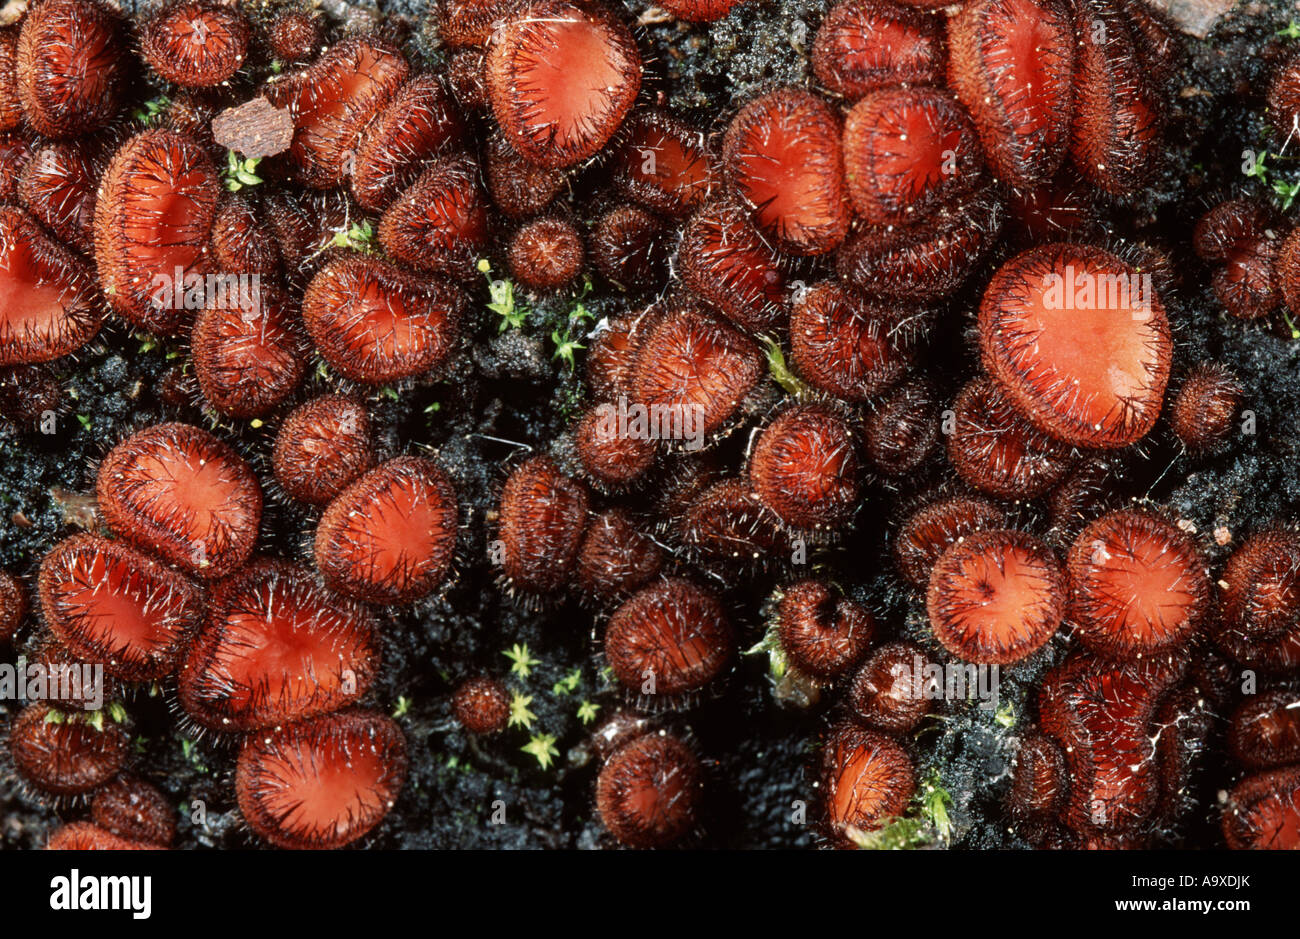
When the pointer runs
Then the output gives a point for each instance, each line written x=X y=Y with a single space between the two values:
x=322 y=446
x=276 y=646
x=995 y=597
x=1265 y=730
x=239 y=239
x=728 y=264
x=87 y=836
x=784 y=160
x=903 y=431
x=64 y=754
x=374 y=322
x=669 y=641
x=928 y=532
x=195 y=43
x=1103 y=716
x=616 y=559
x=822 y=633
x=614 y=457
x=996 y=452
x=862 y=45
x=906 y=151
x=51 y=309
x=542 y=517
x=11 y=108
x=649 y=791
x=153 y=218
x=1263 y=812
x=441 y=222
x=1079 y=342
x=1138 y=585
x=561 y=77
x=844 y=343
x=418 y=124
x=725 y=528
x=1039 y=780
x=519 y=189
x=1119 y=108
x=805 y=468
x=891 y=691
x=72 y=66
x=333 y=101
x=110 y=604
x=928 y=258
x=178 y=491
x=390 y=536
x=631 y=247
x=59 y=186
x=867 y=780
x=132 y=808
x=249 y=351
x=663 y=163
x=295 y=35
x=321 y=783
x=692 y=365
x=1260 y=598
x=1011 y=62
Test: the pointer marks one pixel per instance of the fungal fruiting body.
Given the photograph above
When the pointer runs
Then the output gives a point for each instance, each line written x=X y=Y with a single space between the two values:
x=1101 y=714
x=196 y=43
x=805 y=468
x=275 y=647
x=690 y=363
x=50 y=308
x=111 y=604
x=542 y=517
x=784 y=159
x=390 y=536
x=649 y=790
x=821 y=633
x=561 y=77
x=333 y=101
x=867 y=780
x=153 y=219
x=321 y=783
x=375 y=322
x=729 y=265
x=65 y=754
x=845 y=344
x=248 y=351
x=482 y=705
x=891 y=691
x=1080 y=343
x=321 y=447
x=1011 y=62
x=671 y=639
x=179 y=491
x=995 y=597
x=71 y=66
x=1137 y=585
x=867 y=44
x=906 y=151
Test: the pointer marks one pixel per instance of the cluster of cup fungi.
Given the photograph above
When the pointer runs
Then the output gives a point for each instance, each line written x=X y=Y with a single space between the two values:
x=786 y=278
